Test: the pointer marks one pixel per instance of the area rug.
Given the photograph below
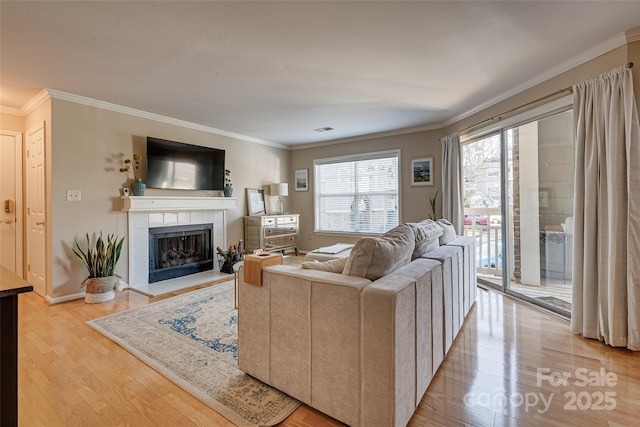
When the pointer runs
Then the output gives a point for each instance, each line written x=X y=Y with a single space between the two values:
x=192 y=339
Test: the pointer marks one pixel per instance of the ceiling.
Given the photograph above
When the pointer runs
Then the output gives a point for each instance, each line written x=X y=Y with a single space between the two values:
x=275 y=71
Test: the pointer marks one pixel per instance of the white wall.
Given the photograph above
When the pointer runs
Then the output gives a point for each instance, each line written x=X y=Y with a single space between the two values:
x=85 y=141
x=414 y=200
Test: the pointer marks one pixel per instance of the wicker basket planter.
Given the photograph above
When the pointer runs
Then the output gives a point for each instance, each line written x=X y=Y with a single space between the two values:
x=99 y=289
x=100 y=258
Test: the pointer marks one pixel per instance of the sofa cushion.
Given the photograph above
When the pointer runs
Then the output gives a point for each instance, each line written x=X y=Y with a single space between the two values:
x=427 y=234
x=448 y=231
x=375 y=257
x=334 y=265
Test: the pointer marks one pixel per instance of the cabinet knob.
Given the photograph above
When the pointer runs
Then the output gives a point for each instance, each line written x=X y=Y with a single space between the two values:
x=8 y=221
x=39 y=222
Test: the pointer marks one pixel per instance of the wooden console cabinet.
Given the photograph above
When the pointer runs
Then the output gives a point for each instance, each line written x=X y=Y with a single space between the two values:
x=272 y=233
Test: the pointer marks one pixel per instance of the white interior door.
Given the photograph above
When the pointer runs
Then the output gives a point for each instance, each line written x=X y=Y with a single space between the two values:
x=11 y=201
x=35 y=192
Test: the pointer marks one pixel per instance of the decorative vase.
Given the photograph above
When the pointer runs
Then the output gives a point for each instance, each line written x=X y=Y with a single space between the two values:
x=99 y=289
x=228 y=190
x=138 y=187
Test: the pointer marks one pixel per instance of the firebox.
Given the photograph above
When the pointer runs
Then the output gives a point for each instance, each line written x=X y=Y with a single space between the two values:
x=179 y=250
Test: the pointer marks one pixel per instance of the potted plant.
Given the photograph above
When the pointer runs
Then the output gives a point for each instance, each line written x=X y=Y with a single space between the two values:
x=133 y=165
x=228 y=186
x=100 y=260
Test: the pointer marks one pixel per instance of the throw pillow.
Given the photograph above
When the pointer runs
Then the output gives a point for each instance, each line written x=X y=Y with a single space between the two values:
x=375 y=257
x=448 y=231
x=334 y=265
x=427 y=234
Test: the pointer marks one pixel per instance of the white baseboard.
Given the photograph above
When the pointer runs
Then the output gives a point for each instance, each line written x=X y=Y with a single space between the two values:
x=58 y=300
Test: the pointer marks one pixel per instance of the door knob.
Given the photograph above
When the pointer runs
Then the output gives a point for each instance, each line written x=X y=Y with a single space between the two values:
x=39 y=222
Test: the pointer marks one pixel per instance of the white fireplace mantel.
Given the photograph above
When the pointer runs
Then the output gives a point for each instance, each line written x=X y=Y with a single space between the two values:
x=176 y=203
x=144 y=212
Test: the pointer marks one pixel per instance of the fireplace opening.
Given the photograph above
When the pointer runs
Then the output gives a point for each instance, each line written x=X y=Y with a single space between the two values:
x=179 y=251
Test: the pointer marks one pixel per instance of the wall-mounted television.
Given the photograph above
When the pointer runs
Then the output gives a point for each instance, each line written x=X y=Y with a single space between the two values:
x=181 y=166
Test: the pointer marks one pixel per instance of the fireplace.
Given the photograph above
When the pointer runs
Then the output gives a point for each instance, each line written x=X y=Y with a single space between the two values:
x=179 y=251
x=148 y=212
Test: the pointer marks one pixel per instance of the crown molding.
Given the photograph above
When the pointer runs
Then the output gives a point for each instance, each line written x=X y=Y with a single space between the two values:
x=11 y=110
x=30 y=106
x=64 y=96
x=632 y=35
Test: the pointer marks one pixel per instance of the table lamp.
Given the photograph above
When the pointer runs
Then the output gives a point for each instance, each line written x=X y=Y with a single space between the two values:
x=279 y=190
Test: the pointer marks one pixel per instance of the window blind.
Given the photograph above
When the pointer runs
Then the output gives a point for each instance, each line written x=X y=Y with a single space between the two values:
x=357 y=194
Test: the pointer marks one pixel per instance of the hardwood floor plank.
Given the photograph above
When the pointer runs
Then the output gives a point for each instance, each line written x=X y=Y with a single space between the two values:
x=70 y=375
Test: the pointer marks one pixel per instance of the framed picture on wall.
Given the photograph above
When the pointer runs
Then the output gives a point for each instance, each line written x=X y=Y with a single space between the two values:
x=302 y=180
x=255 y=201
x=422 y=171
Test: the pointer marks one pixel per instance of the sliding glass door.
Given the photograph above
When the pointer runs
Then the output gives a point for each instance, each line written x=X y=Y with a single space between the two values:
x=519 y=206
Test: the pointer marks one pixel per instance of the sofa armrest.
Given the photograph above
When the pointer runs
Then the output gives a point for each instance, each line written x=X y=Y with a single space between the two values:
x=296 y=314
x=397 y=356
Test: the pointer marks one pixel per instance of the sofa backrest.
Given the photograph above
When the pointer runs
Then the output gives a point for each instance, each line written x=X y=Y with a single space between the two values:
x=375 y=257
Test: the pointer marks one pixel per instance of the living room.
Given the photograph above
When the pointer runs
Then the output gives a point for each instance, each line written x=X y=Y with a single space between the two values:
x=84 y=138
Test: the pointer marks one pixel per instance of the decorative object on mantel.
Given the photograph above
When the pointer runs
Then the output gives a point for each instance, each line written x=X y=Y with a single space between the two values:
x=228 y=186
x=279 y=190
x=100 y=260
x=129 y=165
x=227 y=259
x=138 y=187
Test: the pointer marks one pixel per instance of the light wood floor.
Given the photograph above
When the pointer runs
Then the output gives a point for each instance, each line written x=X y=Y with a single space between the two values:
x=70 y=375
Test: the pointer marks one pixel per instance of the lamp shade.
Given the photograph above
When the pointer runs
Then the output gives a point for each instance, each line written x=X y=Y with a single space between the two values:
x=281 y=189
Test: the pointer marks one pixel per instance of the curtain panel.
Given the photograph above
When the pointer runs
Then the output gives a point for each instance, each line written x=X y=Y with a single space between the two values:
x=606 y=263
x=452 y=181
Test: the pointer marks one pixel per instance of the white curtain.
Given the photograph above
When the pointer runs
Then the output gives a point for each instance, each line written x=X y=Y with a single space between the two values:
x=452 y=181
x=606 y=252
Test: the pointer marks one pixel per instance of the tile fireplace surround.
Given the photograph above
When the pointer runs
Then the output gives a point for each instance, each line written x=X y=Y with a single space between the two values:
x=144 y=212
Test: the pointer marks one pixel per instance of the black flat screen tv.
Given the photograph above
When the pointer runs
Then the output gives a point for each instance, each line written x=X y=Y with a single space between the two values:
x=182 y=166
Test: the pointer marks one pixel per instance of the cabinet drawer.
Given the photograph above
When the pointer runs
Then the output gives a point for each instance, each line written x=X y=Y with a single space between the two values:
x=269 y=221
x=288 y=220
x=276 y=241
x=278 y=231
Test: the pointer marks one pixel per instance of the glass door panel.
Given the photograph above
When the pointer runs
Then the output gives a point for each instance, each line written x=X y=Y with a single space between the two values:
x=482 y=205
x=539 y=191
x=518 y=204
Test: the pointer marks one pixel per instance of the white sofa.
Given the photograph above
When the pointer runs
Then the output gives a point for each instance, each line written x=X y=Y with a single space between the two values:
x=360 y=349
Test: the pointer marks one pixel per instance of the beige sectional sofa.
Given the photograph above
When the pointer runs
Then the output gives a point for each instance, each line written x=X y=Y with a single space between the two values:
x=360 y=338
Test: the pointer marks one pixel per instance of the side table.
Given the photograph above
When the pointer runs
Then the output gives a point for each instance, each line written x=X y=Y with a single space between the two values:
x=236 y=269
x=286 y=260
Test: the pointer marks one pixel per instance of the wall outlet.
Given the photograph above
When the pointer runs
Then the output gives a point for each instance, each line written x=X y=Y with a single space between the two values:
x=74 y=195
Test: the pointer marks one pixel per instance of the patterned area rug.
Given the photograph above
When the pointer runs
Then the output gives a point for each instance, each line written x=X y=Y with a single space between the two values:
x=192 y=339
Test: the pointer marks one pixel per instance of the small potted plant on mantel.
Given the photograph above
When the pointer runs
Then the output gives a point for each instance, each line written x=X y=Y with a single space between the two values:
x=133 y=165
x=100 y=259
x=228 y=186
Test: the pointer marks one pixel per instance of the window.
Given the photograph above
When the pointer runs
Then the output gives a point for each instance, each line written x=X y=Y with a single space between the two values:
x=357 y=194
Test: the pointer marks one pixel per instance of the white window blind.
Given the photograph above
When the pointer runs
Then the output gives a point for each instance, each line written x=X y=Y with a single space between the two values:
x=357 y=194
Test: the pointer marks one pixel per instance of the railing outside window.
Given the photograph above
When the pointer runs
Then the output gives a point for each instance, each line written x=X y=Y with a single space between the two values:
x=485 y=224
